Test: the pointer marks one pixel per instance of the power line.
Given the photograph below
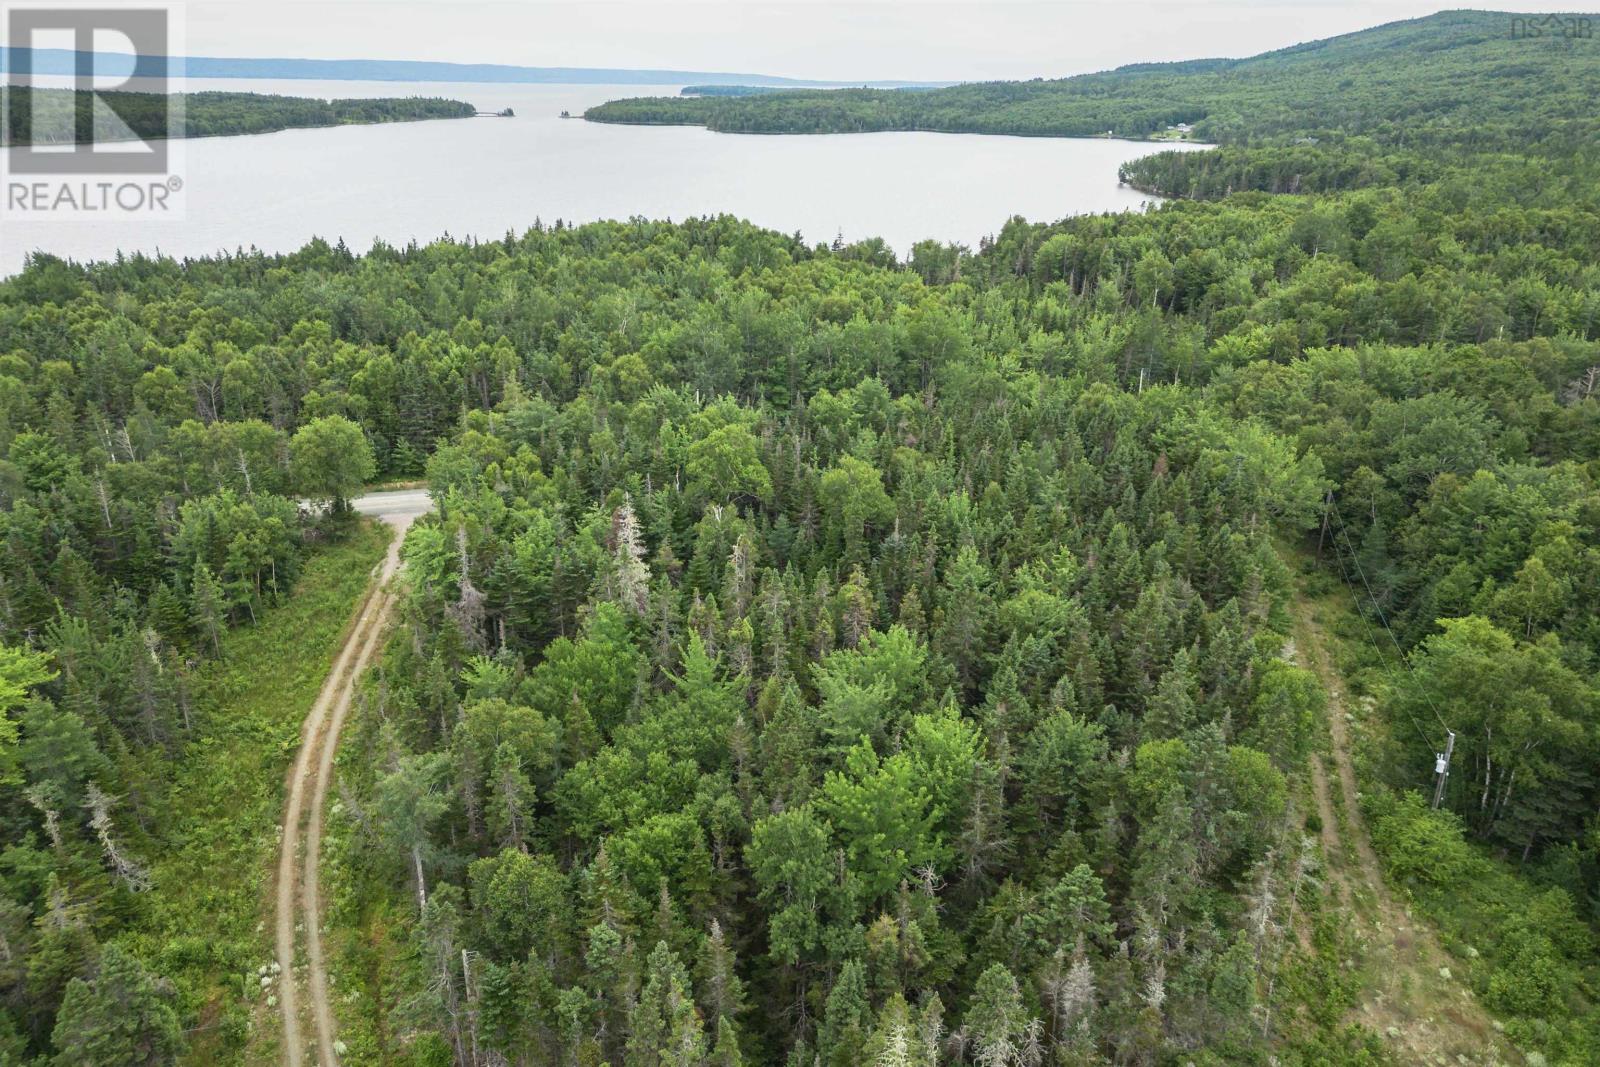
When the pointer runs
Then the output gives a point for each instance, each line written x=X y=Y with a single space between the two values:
x=1366 y=626
x=1441 y=760
x=1345 y=530
x=1382 y=656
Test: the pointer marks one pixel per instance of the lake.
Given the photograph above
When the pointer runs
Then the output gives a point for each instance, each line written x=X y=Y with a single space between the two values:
x=486 y=176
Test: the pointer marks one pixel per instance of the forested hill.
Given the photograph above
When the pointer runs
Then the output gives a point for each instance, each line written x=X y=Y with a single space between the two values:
x=1473 y=79
x=45 y=116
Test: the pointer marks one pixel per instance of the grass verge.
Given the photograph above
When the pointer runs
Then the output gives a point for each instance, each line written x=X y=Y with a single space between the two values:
x=1513 y=933
x=374 y=960
x=204 y=922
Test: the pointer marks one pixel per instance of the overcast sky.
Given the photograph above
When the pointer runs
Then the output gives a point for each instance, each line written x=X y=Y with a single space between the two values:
x=867 y=39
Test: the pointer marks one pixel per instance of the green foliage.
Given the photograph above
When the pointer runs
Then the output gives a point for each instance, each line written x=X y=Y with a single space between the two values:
x=119 y=1017
x=666 y=1026
x=724 y=465
x=329 y=459
x=1284 y=715
x=1419 y=844
x=790 y=861
x=852 y=492
x=521 y=905
x=1522 y=715
x=46 y=116
x=210 y=866
x=883 y=813
x=20 y=670
x=806 y=642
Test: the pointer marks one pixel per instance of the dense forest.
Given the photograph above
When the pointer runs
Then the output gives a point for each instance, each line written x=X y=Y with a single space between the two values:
x=819 y=657
x=728 y=90
x=48 y=116
x=1460 y=79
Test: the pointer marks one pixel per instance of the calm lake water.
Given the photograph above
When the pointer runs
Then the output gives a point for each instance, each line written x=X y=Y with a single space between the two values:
x=483 y=177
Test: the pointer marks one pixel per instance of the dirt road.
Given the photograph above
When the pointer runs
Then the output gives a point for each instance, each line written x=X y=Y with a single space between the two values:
x=1411 y=998
x=299 y=900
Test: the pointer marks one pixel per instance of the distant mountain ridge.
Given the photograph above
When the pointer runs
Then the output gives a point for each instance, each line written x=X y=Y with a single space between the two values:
x=1478 y=80
x=122 y=64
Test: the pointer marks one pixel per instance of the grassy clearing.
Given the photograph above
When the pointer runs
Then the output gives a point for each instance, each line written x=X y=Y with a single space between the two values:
x=1514 y=936
x=1512 y=933
x=204 y=922
x=1408 y=990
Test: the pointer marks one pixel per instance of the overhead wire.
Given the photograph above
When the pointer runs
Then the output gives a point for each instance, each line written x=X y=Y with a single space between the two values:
x=1344 y=573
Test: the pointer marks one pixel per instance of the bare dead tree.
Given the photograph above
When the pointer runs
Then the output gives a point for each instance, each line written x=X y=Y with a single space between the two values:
x=468 y=611
x=631 y=579
x=52 y=818
x=128 y=871
x=1582 y=387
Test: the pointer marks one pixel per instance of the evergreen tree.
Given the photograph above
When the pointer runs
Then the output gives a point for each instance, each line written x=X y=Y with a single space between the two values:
x=665 y=1028
x=121 y=1016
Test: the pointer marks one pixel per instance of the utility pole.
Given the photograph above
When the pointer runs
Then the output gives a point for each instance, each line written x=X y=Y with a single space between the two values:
x=1441 y=767
x=1327 y=505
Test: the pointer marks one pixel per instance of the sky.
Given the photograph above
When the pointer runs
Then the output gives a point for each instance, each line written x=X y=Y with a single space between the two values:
x=930 y=40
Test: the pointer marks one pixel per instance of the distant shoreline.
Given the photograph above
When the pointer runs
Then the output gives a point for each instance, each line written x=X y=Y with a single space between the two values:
x=148 y=116
x=61 y=61
x=1151 y=139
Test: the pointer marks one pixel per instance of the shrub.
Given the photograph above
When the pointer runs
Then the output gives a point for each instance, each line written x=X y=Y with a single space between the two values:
x=1420 y=845
x=1529 y=980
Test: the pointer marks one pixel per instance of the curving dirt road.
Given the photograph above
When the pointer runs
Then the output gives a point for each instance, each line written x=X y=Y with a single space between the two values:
x=308 y=788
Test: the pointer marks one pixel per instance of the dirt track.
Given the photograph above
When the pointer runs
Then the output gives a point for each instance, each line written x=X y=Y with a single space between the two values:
x=299 y=905
x=1426 y=1017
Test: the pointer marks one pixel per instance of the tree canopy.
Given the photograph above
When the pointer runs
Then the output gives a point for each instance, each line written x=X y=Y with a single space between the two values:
x=819 y=658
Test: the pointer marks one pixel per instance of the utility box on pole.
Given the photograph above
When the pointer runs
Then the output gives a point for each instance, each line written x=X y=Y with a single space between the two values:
x=1441 y=767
